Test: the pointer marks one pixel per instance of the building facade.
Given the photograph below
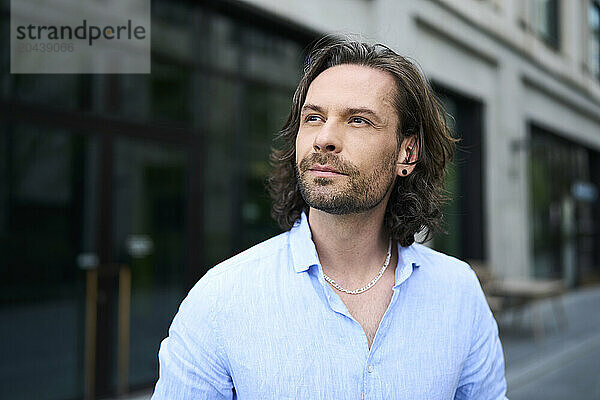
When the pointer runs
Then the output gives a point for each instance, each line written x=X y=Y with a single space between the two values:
x=118 y=192
x=521 y=81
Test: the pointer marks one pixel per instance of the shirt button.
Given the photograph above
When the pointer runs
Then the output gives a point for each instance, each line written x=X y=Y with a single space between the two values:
x=370 y=368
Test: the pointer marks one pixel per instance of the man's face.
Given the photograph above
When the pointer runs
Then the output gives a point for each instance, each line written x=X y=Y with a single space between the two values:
x=346 y=148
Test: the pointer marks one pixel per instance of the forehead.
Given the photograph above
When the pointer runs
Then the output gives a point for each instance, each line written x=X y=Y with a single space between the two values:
x=350 y=85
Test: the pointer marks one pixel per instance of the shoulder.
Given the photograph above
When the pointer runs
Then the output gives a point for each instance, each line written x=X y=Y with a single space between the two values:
x=441 y=263
x=236 y=277
x=444 y=270
x=447 y=282
x=261 y=254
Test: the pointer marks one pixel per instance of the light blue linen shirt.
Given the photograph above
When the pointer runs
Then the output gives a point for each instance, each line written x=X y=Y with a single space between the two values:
x=265 y=325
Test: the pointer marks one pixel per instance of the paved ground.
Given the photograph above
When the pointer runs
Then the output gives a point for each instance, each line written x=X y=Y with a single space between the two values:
x=563 y=364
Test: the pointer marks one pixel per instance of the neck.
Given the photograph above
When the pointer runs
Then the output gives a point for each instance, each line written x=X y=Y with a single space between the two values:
x=350 y=245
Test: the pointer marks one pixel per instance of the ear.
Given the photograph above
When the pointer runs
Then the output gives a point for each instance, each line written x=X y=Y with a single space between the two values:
x=407 y=156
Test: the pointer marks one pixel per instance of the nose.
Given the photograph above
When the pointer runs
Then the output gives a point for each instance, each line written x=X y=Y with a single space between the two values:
x=328 y=139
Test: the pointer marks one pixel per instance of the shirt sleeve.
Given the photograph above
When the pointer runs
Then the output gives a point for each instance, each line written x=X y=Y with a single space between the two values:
x=482 y=377
x=192 y=364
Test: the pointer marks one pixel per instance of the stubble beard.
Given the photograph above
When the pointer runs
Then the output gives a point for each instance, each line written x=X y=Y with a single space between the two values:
x=353 y=193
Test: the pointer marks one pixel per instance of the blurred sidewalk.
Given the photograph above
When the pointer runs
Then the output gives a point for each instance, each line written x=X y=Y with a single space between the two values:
x=144 y=395
x=563 y=364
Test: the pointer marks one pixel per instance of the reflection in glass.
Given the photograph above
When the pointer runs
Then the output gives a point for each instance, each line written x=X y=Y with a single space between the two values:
x=560 y=219
x=149 y=236
x=41 y=235
x=450 y=241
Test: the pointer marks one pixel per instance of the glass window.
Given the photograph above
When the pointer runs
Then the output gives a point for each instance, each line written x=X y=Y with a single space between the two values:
x=271 y=58
x=594 y=38
x=43 y=171
x=267 y=112
x=497 y=4
x=237 y=207
x=560 y=215
x=57 y=91
x=5 y=77
x=545 y=21
x=464 y=213
x=242 y=95
x=149 y=236
x=449 y=242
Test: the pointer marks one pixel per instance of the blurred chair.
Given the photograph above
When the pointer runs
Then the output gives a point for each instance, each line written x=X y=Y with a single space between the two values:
x=517 y=294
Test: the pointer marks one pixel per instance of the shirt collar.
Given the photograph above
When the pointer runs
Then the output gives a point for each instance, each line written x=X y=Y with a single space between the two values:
x=304 y=252
x=407 y=262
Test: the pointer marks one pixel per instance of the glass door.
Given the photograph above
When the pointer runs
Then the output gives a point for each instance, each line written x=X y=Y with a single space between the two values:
x=83 y=311
x=563 y=196
x=47 y=235
x=149 y=242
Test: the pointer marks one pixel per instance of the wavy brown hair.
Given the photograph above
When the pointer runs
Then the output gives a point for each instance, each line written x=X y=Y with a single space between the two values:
x=416 y=201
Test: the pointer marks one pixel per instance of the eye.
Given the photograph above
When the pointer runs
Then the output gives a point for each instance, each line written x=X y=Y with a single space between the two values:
x=312 y=118
x=359 y=121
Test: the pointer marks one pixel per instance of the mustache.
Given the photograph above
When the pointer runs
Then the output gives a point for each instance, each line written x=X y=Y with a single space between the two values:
x=329 y=159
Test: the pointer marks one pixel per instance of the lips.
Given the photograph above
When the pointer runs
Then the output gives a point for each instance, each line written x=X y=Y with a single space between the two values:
x=325 y=170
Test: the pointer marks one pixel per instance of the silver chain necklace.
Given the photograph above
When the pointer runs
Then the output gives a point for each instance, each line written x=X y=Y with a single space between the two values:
x=370 y=284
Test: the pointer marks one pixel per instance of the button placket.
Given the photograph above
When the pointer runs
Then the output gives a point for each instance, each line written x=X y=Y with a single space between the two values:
x=371 y=388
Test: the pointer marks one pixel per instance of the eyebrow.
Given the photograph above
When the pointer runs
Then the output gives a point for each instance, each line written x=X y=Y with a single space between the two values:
x=346 y=112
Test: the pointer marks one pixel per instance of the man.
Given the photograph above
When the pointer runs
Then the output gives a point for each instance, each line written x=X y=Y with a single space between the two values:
x=344 y=305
